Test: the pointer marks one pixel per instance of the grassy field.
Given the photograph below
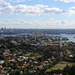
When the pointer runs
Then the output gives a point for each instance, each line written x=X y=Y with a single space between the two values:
x=60 y=66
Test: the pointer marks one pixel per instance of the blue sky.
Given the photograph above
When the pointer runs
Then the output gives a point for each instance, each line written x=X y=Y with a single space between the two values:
x=37 y=14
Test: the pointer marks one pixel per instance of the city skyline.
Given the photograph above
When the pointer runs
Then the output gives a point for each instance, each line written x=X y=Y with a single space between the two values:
x=37 y=14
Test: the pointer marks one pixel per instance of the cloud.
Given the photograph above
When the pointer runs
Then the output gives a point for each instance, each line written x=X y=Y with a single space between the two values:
x=72 y=8
x=51 y=11
x=66 y=1
x=49 y=24
x=18 y=1
x=35 y=10
x=1 y=1
x=29 y=10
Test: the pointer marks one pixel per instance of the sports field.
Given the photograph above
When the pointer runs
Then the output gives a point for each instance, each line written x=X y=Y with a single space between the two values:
x=60 y=66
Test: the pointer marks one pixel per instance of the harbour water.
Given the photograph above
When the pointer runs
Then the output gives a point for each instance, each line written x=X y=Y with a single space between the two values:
x=69 y=36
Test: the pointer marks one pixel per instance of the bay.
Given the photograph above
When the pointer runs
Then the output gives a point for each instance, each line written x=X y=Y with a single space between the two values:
x=71 y=37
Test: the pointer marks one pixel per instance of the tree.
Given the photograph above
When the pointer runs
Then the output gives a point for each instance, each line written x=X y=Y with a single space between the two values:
x=12 y=73
x=73 y=70
x=67 y=70
x=17 y=72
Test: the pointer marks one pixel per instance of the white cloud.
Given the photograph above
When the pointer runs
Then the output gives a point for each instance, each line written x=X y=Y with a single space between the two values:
x=51 y=18
x=67 y=1
x=72 y=8
x=1 y=1
x=17 y=1
x=35 y=10
x=41 y=5
x=57 y=24
x=14 y=1
x=51 y=11
x=71 y=11
x=29 y=10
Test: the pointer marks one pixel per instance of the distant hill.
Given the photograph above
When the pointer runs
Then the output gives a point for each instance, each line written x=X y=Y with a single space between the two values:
x=48 y=31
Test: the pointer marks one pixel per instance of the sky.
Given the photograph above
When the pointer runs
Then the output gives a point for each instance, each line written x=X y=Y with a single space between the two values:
x=37 y=14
